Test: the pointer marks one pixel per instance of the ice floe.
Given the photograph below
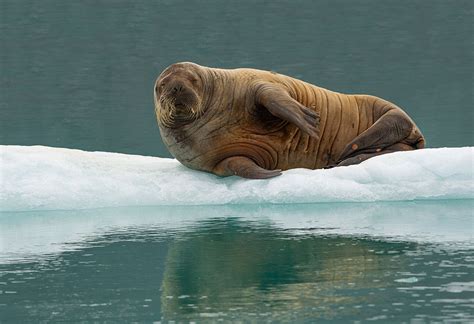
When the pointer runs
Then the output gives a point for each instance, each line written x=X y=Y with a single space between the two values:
x=46 y=178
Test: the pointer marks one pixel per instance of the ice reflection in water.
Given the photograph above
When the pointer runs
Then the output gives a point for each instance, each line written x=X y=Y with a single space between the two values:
x=239 y=263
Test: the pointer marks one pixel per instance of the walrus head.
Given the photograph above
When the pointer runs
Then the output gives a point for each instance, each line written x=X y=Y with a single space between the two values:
x=178 y=95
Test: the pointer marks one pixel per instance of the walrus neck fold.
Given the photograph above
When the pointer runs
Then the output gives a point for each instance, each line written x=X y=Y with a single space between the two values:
x=216 y=80
x=208 y=90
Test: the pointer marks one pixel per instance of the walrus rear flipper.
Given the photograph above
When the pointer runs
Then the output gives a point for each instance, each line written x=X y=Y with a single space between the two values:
x=365 y=156
x=280 y=104
x=393 y=132
x=393 y=127
x=243 y=167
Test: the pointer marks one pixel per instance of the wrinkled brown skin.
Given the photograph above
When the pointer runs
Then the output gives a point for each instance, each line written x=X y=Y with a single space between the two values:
x=254 y=123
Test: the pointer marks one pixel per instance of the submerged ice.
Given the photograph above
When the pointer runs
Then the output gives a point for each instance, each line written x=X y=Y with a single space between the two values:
x=42 y=234
x=44 y=178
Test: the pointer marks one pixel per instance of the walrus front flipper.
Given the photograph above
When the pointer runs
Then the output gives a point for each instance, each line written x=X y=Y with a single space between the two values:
x=243 y=167
x=280 y=104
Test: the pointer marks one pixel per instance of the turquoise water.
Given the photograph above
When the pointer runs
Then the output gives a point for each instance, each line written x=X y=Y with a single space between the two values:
x=285 y=263
x=80 y=75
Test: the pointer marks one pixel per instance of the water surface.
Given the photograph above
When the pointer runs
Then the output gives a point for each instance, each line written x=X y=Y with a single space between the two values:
x=257 y=263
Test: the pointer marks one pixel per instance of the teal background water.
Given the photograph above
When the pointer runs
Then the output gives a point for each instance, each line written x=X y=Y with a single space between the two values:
x=80 y=74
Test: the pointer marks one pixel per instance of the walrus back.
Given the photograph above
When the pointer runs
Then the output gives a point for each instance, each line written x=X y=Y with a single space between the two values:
x=343 y=117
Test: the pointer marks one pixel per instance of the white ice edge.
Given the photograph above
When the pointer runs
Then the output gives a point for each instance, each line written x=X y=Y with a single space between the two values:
x=47 y=178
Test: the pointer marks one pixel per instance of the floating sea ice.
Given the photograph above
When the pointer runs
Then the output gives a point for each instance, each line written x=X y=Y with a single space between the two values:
x=44 y=178
x=407 y=280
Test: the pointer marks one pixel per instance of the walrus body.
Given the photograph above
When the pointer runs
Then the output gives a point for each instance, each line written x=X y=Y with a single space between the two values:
x=255 y=123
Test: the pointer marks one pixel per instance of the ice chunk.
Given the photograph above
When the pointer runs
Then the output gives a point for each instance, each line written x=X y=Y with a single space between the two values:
x=46 y=178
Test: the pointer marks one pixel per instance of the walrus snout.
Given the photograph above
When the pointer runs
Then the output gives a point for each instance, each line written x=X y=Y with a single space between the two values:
x=177 y=102
x=180 y=94
x=174 y=87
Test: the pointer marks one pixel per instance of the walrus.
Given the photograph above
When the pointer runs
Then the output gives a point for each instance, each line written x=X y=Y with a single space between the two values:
x=254 y=123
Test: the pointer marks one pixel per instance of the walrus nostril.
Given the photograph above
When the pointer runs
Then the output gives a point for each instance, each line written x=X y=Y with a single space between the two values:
x=176 y=89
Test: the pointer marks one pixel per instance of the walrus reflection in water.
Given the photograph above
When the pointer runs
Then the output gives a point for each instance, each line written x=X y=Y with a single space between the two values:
x=255 y=123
